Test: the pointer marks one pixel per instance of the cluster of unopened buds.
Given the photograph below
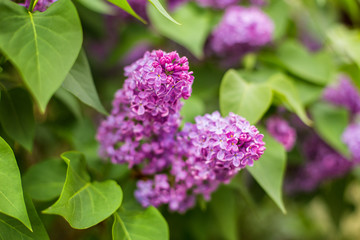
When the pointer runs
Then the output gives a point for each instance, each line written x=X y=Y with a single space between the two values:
x=174 y=166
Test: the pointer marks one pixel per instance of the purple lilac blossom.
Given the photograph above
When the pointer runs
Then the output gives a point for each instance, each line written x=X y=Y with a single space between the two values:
x=217 y=4
x=145 y=112
x=259 y=3
x=240 y=31
x=41 y=5
x=351 y=137
x=343 y=94
x=281 y=130
x=322 y=163
x=206 y=153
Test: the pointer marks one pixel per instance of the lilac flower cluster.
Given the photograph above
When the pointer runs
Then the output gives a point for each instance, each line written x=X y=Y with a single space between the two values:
x=217 y=4
x=143 y=131
x=240 y=31
x=206 y=154
x=351 y=137
x=281 y=131
x=41 y=5
x=322 y=163
x=148 y=105
x=343 y=94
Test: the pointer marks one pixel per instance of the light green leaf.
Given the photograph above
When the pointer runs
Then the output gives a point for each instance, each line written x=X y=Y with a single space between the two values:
x=248 y=100
x=193 y=32
x=161 y=9
x=44 y=181
x=13 y=229
x=124 y=5
x=42 y=45
x=284 y=87
x=148 y=224
x=99 y=6
x=330 y=123
x=308 y=92
x=17 y=117
x=80 y=83
x=83 y=203
x=269 y=170
x=11 y=193
x=317 y=68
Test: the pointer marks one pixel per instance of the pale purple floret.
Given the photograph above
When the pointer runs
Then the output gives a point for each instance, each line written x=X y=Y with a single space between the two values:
x=240 y=31
x=322 y=163
x=217 y=4
x=344 y=94
x=41 y=5
x=281 y=130
x=351 y=137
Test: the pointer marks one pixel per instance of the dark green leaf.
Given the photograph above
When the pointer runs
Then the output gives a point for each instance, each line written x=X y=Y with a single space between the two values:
x=269 y=170
x=248 y=100
x=12 y=229
x=11 y=193
x=330 y=123
x=44 y=181
x=42 y=45
x=83 y=203
x=148 y=224
x=284 y=87
x=79 y=82
x=70 y=101
x=17 y=117
x=193 y=32
x=124 y=5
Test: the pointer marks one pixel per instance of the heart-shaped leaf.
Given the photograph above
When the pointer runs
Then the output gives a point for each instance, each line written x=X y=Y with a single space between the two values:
x=161 y=9
x=42 y=45
x=17 y=117
x=248 y=100
x=11 y=193
x=83 y=203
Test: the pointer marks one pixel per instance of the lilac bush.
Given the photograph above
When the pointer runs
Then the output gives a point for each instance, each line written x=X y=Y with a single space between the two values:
x=217 y=4
x=351 y=137
x=41 y=5
x=281 y=130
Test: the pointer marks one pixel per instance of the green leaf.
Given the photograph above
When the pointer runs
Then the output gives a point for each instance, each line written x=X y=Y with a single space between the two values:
x=148 y=224
x=269 y=170
x=80 y=83
x=284 y=87
x=44 y=181
x=193 y=32
x=279 y=13
x=17 y=117
x=330 y=123
x=83 y=203
x=161 y=9
x=124 y=5
x=42 y=45
x=11 y=193
x=308 y=92
x=248 y=100
x=70 y=101
x=316 y=68
x=99 y=6
x=12 y=229
x=193 y=107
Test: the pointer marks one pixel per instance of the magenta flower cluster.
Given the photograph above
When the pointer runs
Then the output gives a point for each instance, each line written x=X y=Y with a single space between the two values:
x=217 y=4
x=241 y=30
x=281 y=130
x=41 y=5
x=343 y=94
x=322 y=163
x=173 y=166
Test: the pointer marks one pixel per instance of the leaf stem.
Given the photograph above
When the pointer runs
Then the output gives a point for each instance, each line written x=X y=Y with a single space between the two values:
x=32 y=5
